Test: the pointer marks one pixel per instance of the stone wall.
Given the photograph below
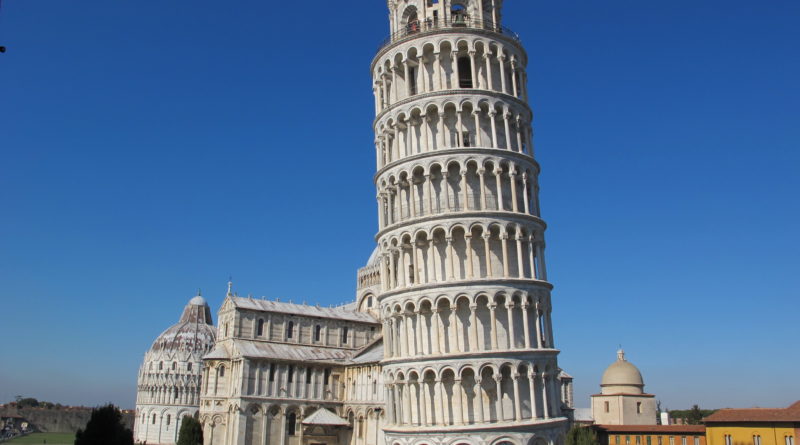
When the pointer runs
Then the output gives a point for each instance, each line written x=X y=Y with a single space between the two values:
x=59 y=420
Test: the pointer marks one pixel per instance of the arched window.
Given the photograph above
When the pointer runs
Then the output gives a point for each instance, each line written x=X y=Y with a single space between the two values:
x=260 y=328
x=464 y=73
x=272 y=372
x=326 y=376
x=369 y=301
x=344 y=334
x=291 y=424
x=289 y=329
x=317 y=332
x=174 y=394
x=154 y=418
x=169 y=418
x=222 y=371
x=308 y=375
x=174 y=365
x=189 y=366
x=160 y=366
x=290 y=373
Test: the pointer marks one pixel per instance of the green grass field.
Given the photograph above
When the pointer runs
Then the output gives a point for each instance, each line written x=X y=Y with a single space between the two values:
x=40 y=438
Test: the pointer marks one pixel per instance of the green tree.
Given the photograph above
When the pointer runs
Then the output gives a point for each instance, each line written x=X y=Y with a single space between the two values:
x=105 y=427
x=695 y=416
x=191 y=432
x=581 y=435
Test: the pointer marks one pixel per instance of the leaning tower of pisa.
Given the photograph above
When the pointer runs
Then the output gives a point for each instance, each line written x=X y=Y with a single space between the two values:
x=464 y=296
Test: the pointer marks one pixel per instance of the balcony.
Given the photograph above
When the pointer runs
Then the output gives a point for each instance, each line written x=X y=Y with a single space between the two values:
x=456 y=21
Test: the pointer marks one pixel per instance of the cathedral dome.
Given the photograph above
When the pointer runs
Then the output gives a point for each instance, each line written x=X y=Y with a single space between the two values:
x=622 y=377
x=194 y=332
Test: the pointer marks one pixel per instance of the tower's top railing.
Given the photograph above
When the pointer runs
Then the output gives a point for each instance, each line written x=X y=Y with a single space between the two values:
x=459 y=21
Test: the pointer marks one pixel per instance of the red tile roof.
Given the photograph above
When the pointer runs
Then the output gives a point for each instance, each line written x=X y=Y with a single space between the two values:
x=666 y=429
x=790 y=414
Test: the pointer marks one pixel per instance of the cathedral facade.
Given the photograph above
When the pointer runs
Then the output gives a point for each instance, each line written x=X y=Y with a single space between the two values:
x=449 y=339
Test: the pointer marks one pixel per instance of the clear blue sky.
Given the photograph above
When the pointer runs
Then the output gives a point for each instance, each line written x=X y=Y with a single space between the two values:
x=151 y=148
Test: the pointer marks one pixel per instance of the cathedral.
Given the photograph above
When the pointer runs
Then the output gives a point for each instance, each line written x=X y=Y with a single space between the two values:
x=449 y=340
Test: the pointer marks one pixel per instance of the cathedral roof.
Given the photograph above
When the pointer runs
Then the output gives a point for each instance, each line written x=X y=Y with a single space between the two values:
x=283 y=351
x=193 y=332
x=622 y=377
x=324 y=417
x=338 y=313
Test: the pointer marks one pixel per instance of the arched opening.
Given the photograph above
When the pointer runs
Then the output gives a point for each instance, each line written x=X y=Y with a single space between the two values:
x=458 y=15
x=464 y=72
x=317 y=332
x=290 y=330
x=260 y=327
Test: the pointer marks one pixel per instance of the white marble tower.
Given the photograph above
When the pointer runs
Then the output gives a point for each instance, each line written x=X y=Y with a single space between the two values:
x=464 y=297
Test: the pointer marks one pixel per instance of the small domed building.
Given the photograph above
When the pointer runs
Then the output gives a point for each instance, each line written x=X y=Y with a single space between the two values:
x=622 y=400
x=169 y=379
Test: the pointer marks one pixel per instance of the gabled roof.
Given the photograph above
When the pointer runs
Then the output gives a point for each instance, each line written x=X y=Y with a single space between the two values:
x=371 y=353
x=283 y=351
x=347 y=312
x=324 y=417
x=790 y=414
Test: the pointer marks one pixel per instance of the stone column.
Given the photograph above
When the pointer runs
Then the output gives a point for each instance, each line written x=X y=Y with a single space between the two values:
x=526 y=322
x=473 y=321
x=426 y=122
x=464 y=194
x=520 y=265
x=545 y=395
x=519 y=134
x=500 y=414
x=453 y=331
x=514 y=88
x=478 y=136
x=539 y=339
x=401 y=267
x=525 y=200
x=532 y=388
x=488 y=59
x=517 y=401
x=446 y=187
x=493 y=314
x=470 y=266
x=414 y=262
x=507 y=128
x=436 y=323
x=450 y=271
x=498 y=173
x=455 y=84
x=512 y=343
x=440 y=138
x=503 y=83
x=458 y=408
x=540 y=255
x=488 y=248
x=504 y=241
x=534 y=274
x=512 y=176
x=439 y=391
x=427 y=198
x=437 y=72
x=476 y=83
x=460 y=129
x=492 y=114
x=407 y=78
x=479 y=395
x=481 y=172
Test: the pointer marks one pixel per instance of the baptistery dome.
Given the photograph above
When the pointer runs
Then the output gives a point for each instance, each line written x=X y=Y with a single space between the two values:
x=169 y=378
x=622 y=377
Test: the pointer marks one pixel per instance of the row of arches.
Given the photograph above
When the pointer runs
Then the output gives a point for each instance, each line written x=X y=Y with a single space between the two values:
x=456 y=186
x=488 y=393
x=462 y=252
x=184 y=394
x=444 y=124
x=288 y=380
x=483 y=322
x=449 y=63
x=160 y=424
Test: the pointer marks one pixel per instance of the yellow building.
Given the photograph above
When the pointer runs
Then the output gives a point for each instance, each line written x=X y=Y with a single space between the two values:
x=755 y=426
